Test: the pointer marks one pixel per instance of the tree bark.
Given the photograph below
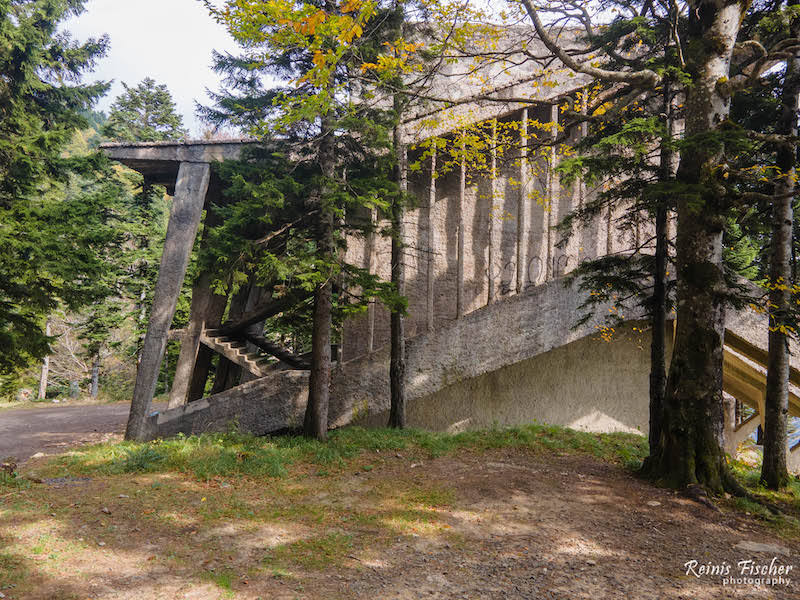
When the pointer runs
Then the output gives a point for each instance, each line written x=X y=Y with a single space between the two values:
x=316 y=418
x=658 y=345
x=689 y=448
x=658 y=318
x=45 y=368
x=397 y=364
x=774 y=472
x=95 y=389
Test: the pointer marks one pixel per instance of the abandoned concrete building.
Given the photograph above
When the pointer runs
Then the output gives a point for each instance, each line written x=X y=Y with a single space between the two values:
x=492 y=336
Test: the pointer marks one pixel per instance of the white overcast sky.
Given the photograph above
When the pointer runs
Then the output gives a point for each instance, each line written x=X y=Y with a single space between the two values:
x=168 y=40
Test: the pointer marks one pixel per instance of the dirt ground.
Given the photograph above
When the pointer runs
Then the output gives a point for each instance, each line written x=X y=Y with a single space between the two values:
x=50 y=429
x=505 y=523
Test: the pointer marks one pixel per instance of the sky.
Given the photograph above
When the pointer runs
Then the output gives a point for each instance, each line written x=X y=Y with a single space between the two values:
x=168 y=40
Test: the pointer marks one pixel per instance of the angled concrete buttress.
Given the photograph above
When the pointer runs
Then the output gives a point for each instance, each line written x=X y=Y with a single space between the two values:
x=184 y=167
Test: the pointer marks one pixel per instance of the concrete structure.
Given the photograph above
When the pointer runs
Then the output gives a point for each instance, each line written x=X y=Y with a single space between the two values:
x=491 y=337
x=185 y=169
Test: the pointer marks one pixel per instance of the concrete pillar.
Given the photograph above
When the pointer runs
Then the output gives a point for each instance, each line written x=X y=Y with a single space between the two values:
x=554 y=196
x=492 y=200
x=430 y=245
x=793 y=459
x=185 y=215
x=202 y=365
x=371 y=260
x=581 y=182
x=206 y=311
x=462 y=191
x=523 y=203
x=729 y=422
x=190 y=342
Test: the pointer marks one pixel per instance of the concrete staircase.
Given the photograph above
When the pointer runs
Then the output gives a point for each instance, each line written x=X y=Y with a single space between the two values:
x=239 y=352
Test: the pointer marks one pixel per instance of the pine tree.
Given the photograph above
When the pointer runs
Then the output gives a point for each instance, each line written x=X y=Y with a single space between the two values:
x=46 y=255
x=339 y=142
x=145 y=113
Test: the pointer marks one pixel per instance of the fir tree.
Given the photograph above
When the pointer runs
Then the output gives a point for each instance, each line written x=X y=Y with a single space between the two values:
x=47 y=256
x=145 y=113
x=338 y=143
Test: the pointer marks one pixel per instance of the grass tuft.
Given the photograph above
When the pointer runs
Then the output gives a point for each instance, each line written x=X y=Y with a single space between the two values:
x=315 y=553
x=235 y=455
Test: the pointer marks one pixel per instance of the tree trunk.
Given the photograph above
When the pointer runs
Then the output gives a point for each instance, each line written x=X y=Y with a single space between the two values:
x=45 y=368
x=316 y=417
x=774 y=472
x=689 y=448
x=95 y=389
x=397 y=365
x=658 y=344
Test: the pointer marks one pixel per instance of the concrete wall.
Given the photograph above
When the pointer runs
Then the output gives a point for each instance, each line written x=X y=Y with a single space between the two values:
x=489 y=220
x=530 y=340
x=591 y=385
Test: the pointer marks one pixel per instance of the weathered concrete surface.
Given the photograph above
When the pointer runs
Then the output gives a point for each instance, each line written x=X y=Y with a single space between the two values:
x=159 y=161
x=271 y=404
x=184 y=220
x=506 y=333
x=513 y=362
x=502 y=218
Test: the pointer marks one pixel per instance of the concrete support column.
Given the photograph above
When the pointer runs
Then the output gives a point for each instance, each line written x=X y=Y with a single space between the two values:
x=492 y=200
x=462 y=191
x=523 y=203
x=202 y=364
x=190 y=343
x=371 y=260
x=729 y=422
x=184 y=220
x=793 y=459
x=554 y=195
x=430 y=245
x=581 y=182
x=206 y=311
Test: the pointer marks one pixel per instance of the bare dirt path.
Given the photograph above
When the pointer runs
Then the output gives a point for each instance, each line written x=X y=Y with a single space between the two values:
x=501 y=525
x=50 y=429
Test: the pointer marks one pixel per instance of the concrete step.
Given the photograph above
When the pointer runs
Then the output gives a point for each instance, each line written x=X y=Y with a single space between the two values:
x=235 y=351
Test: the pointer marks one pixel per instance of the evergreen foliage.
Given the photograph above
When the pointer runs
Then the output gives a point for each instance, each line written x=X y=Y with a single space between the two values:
x=145 y=113
x=49 y=251
x=312 y=49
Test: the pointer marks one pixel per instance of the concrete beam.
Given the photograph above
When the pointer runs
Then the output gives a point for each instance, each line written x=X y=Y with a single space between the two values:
x=159 y=161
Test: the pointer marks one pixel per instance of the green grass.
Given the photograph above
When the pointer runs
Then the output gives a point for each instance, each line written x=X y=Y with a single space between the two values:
x=223 y=580
x=787 y=501
x=315 y=553
x=235 y=455
x=12 y=570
